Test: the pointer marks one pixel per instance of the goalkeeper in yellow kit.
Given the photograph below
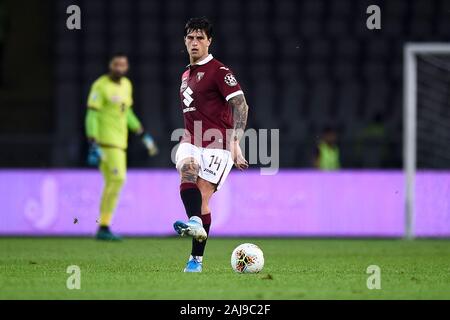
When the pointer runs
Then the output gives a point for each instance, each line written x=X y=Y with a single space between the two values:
x=109 y=117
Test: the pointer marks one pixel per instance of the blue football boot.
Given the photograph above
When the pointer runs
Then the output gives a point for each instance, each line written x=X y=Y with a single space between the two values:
x=193 y=227
x=193 y=265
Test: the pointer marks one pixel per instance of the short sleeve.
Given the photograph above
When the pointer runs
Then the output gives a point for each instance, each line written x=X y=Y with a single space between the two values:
x=95 y=98
x=227 y=83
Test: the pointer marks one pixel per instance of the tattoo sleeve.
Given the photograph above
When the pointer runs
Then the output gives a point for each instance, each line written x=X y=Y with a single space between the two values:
x=240 y=112
x=189 y=171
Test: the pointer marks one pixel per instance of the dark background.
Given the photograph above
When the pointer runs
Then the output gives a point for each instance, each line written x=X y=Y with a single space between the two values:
x=303 y=65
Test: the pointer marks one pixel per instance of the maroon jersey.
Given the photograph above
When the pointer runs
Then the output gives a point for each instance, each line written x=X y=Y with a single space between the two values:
x=205 y=89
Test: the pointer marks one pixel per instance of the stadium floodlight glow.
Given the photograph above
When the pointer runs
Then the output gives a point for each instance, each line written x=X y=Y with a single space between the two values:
x=411 y=51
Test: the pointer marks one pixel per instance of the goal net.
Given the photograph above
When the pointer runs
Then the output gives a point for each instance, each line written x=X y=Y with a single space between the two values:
x=426 y=115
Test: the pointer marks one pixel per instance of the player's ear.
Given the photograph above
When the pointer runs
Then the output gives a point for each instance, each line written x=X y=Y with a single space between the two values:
x=210 y=41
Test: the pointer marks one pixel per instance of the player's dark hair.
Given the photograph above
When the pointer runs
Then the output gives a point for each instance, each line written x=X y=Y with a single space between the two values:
x=201 y=23
x=119 y=54
x=329 y=129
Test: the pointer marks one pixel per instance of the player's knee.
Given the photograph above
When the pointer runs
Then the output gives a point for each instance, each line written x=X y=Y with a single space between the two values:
x=116 y=184
x=120 y=181
x=206 y=189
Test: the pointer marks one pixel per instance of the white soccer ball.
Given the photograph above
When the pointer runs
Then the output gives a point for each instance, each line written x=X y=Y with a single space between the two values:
x=247 y=258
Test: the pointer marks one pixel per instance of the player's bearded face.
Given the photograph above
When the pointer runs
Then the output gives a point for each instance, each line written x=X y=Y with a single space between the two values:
x=197 y=44
x=119 y=67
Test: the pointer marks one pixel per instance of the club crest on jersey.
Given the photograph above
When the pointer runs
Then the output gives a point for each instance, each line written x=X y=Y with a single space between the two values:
x=200 y=76
x=230 y=80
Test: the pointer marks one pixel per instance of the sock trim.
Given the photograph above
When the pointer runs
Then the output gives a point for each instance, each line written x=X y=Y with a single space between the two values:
x=188 y=185
x=206 y=218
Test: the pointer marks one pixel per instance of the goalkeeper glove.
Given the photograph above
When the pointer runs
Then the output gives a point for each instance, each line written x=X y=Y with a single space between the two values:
x=150 y=144
x=94 y=154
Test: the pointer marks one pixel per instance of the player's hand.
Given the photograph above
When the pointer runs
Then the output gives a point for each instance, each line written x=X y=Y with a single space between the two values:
x=94 y=154
x=150 y=144
x=238 y=158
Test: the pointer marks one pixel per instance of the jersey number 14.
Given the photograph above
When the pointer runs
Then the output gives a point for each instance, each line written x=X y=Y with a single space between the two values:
x=215 y=160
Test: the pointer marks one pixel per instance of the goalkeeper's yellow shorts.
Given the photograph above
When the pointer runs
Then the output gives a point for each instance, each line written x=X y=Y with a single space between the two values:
x=113 y=164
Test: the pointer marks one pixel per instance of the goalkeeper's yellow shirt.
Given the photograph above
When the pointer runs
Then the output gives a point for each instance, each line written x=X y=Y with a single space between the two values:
x=112 y=101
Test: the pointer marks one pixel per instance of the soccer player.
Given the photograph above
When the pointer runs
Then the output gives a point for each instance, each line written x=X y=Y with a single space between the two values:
x=108 y=118
x=215 y=116
x=326 y=155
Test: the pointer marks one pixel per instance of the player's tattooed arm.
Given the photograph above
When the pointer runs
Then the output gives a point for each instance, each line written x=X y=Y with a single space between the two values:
x=240 y=113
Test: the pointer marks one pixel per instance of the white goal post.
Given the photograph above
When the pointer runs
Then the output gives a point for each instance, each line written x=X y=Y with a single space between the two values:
x=411 y=50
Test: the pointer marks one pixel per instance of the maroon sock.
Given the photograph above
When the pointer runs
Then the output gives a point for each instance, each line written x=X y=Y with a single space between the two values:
x=198 y=248
x=192 y=199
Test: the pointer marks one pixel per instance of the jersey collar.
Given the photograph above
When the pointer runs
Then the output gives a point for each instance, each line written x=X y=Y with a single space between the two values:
x=208 y=58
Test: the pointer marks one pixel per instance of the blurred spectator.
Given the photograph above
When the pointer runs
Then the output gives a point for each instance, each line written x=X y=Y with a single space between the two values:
x=327 y=152
x=371 y=146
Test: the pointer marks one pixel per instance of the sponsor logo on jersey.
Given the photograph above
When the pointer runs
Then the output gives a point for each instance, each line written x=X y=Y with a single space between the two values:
x=189 y=109
x=184 y=85
x=187 y=94
x=200 y=76
x=230 y=80
x=224 y=68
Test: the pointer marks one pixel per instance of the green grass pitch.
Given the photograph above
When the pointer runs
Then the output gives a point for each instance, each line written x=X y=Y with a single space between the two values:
x=151 y=268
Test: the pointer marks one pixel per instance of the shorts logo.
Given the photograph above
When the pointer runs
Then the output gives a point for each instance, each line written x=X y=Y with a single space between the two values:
x=230 y=80
x=200 y=76
x=209 y=171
